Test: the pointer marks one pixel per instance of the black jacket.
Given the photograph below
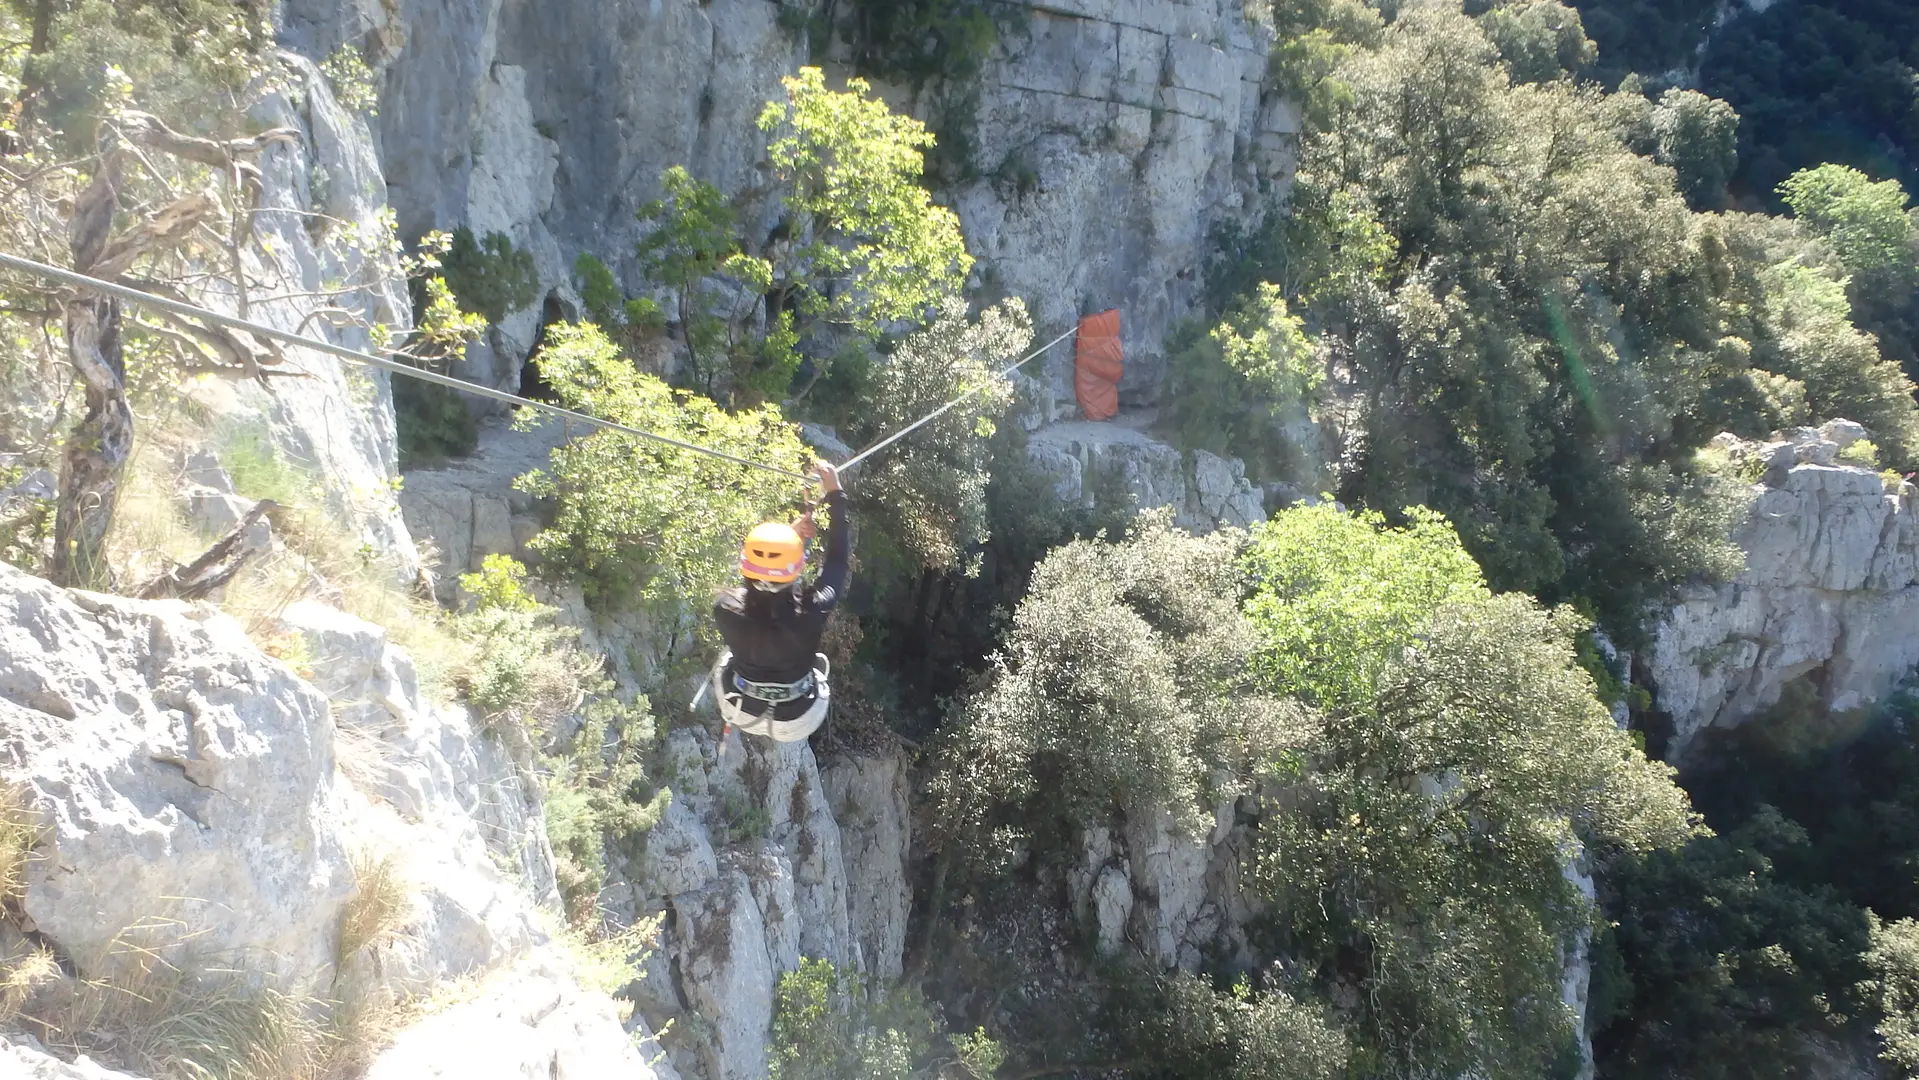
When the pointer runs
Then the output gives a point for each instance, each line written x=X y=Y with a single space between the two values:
x=774 y=635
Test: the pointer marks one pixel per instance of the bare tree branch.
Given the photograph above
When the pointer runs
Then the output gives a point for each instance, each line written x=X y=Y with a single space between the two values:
x=163 y=230
x=217 y=566
x=149 y=130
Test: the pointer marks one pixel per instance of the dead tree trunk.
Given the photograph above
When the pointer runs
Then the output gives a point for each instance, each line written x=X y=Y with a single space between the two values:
x=98 y=448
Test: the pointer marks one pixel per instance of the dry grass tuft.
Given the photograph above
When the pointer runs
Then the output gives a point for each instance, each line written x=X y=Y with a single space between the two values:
x=20 y=977
x=361 y=757
x=380 y=904
x=167 y=1019
x=318 y=553
x=19 y=834
x=164 y=1015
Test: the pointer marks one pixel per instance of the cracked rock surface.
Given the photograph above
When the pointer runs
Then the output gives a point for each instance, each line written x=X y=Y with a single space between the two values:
x=1829 y=598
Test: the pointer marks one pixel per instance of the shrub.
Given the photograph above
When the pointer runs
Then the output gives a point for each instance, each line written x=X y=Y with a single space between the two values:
x=928 y=493
x=1236 y=388
x=638 y=520
x=433 y=422
x=1175 y=1018
x=1862 y=453
x=19 y=835
x=830 y=1023
x=598 y=793
x=528 y=671
x=1055 y=742
x=490 y=277
x=1894 y=988
x=380 y=904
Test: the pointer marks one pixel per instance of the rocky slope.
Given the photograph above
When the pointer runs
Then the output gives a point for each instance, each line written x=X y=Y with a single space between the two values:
x=1828 y=603
x=202 y=803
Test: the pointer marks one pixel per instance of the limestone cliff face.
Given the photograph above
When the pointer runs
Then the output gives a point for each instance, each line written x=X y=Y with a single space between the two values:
x=204 y=803
x=1829 y=598
x=1112 y=135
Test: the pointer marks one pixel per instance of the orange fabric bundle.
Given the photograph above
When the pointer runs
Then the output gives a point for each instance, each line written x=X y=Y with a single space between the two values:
x=1098 y=363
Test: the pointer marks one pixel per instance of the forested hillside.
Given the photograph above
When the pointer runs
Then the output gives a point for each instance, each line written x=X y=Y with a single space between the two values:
x=1813 y=82
x=1513 y=338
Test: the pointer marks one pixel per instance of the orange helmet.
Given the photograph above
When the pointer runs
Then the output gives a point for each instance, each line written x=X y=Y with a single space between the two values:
x=773 y=552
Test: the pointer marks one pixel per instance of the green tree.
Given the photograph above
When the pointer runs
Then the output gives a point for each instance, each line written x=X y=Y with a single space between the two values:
x=1429 y=814
x=694 y=250
x=1414 y=816
x=1247 y=387
x=860 y=247
x=1866 y=223
x=1541 y=332
x=1540 y=40
x=928 y=493
x=1737 y=965
x=641 y=520
x=1894 y=988
x=190 y=60
x=1056 y=743
x=1699 y=137
x=862 y=244
x=1340 y=595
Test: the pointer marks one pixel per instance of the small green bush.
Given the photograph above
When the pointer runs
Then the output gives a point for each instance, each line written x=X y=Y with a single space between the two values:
x=490 y=277
x=259 y=469
x=832 y=1023
x=1862 y=453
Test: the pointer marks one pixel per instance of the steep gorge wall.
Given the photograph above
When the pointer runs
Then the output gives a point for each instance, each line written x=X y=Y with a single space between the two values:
x=1111 y=134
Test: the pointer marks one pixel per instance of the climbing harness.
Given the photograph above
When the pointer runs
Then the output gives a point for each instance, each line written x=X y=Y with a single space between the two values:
x=730 y=694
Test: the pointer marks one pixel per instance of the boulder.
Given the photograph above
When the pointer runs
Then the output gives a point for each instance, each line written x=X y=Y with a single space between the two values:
x=1205 y=491
x=180 y=773
x=22 y=1058
x=868 y=797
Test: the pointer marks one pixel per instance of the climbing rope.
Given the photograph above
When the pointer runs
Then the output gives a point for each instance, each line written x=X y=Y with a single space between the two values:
x=194 y=311
x=937 y=413
x=136 y=296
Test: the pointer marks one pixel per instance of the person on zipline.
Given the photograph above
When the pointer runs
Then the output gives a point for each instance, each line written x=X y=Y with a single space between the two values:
x=771 y=680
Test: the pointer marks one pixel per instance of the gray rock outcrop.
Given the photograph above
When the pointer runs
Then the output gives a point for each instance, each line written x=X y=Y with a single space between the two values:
x=26 y=1060
x=766 y=857
x=1829 y=598
x=335 y=421
x=201 y=798
x=1112 y=136
x=1205 y=490
x=532 y=1022
x=169 y=758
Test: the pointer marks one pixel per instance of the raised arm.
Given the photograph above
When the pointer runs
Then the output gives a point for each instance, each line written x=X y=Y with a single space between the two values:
x=831 y=585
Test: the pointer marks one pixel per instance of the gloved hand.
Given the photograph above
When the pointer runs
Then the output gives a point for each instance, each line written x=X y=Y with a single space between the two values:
x=829 y=477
